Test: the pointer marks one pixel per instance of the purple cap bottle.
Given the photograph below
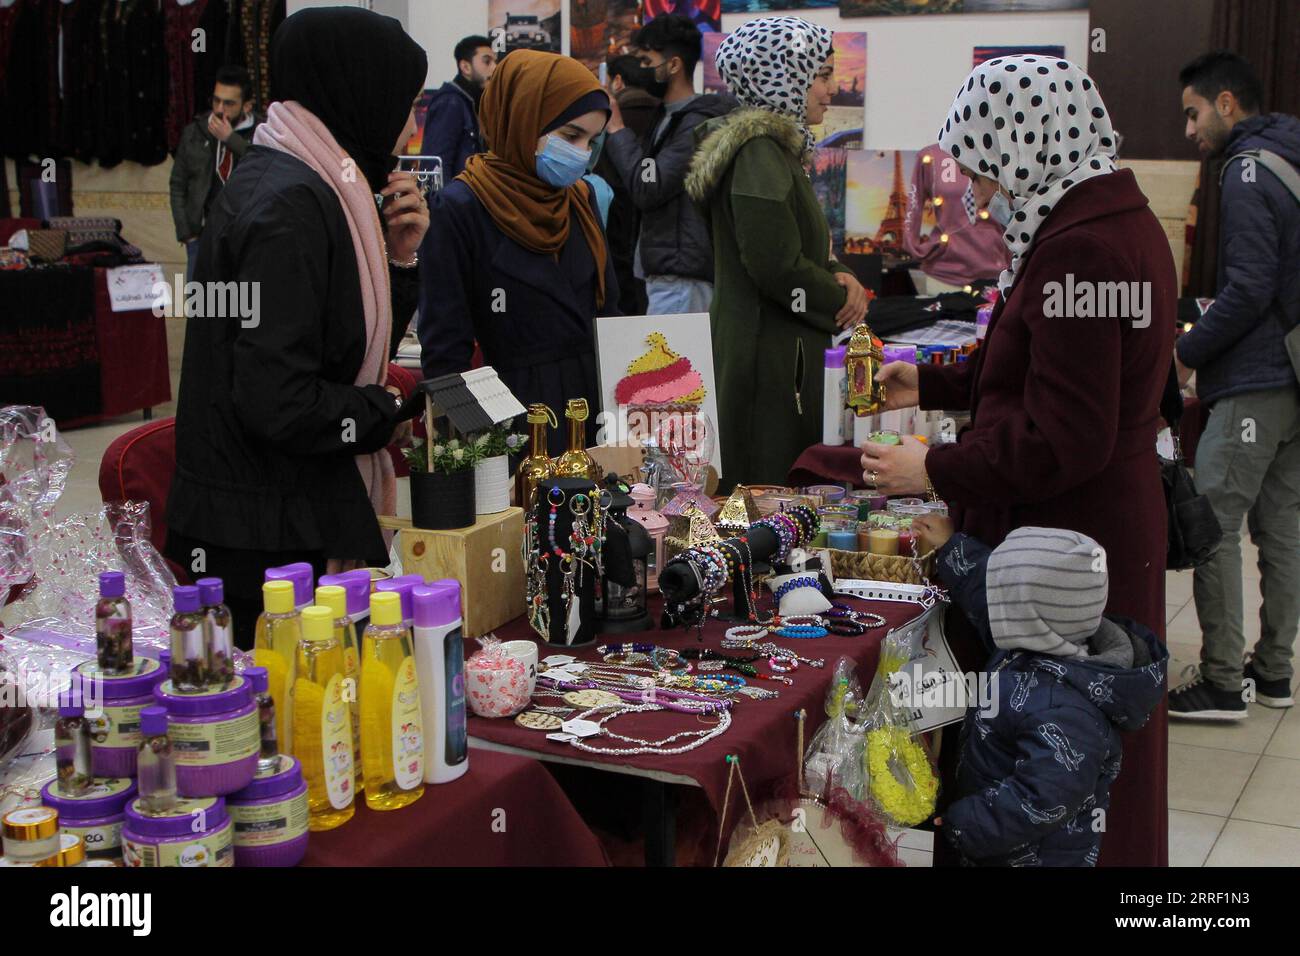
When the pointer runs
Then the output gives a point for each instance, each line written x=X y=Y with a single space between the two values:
x=153 y=721
x=402 y=587
x=185 y=598
x=258 y=677
x=112 y=584
x=357 y=584
x=211 y=591
x=437 y=604
x=300 y=573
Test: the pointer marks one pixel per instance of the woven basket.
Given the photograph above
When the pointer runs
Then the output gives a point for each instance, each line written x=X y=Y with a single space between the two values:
x=892 y=569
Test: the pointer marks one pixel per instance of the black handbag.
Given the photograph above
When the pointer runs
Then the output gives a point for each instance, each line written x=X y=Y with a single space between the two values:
x=1194 y=532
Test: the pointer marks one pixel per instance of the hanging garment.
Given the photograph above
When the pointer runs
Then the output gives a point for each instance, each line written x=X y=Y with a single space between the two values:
x=184 y=99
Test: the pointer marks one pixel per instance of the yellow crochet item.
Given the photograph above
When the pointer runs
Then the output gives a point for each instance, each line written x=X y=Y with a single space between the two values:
x=906 y=803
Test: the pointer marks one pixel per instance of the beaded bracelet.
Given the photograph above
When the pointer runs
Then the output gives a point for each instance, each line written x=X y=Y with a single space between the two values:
x=784 y=535
x=846 y=628
x=841 y=610
x=808 y=520
x=633 y=657
x=720 y=682
x=795 y=533
x=745 y=632
x=802 y=632
x=639 y=647
x=782 y=665
x=804 y=620
x=795 y=584
x=673 y=658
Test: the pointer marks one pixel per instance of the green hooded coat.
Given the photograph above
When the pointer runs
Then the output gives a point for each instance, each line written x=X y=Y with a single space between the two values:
x=775 y=295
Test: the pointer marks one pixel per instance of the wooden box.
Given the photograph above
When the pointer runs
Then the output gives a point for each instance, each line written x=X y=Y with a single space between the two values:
x=485 y=558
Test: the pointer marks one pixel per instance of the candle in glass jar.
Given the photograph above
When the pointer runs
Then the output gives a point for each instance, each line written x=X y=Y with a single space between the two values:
x=906 y=543
x=843 y=540
x=882 y=541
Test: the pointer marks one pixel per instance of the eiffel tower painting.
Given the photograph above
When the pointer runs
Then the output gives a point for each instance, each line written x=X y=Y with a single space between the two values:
x=889 y=237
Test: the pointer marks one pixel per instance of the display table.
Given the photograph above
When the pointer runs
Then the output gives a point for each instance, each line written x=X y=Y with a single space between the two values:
x=763 y=733
x=505 y=811
x=64 y=347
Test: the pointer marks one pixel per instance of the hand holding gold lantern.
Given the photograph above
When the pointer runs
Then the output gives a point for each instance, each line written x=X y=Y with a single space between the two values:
x=865 y=357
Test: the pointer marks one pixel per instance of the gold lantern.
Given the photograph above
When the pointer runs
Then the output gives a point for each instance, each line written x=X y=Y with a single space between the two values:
x=862 y=361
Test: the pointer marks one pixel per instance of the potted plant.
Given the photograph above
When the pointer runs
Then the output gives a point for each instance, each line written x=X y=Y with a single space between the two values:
x=492 y=470
x=442 y=482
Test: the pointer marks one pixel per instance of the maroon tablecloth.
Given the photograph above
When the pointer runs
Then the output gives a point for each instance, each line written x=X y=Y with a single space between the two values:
x=134 y=370
x=505 y=811
x=763 y=733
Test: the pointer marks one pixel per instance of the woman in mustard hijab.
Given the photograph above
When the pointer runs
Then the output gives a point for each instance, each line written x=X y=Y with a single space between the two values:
x=515 y=256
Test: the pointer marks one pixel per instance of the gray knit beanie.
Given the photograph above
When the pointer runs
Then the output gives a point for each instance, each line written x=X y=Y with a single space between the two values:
x=1046 y=591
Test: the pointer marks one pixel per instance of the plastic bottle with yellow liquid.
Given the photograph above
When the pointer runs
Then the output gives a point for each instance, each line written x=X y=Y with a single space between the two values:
x=335 y=597
x=275 y=646
x=392 y=732
x=322 y=722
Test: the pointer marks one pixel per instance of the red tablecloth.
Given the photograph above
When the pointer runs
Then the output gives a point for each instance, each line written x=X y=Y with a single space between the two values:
x=763 y=733
x=820 y=464
x=132 y=354
x=505 y=811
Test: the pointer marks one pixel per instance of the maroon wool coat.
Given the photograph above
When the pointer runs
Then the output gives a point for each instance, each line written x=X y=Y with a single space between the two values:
x=1064 y=420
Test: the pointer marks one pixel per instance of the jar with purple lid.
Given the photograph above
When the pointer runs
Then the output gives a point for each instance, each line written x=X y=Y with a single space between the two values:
x=215 y=738
x=191 y=833
x=270 y=817
x=96 y=816
x=115 y=732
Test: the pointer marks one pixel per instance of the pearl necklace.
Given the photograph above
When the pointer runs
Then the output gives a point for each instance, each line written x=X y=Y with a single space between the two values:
x=649 y=746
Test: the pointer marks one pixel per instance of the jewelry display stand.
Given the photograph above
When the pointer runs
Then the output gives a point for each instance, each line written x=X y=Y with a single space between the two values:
x=679 y=586
x=584 y=577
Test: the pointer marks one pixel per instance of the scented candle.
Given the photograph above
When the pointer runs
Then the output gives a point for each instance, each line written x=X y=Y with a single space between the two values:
x=882 y=541
x=194 y=832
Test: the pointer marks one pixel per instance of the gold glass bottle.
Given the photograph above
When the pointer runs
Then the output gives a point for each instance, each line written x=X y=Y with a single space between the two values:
x=576 y=463
x=537 y=465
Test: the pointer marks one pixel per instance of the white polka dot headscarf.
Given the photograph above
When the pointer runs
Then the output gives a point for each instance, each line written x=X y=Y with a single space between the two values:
x=1038 y=126
x=770 y=63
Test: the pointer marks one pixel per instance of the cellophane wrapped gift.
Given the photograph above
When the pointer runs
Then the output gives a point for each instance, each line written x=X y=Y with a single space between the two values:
x=833 y=759
x=34 y=466
x=901 y=782
x=496 y=684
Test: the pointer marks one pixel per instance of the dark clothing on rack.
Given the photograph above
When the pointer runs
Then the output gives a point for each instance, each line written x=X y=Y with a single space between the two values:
x=206 y=62
x=249 y=29
x=263 y=460
x=183 y=98
x=81 y=68
x=27 y=121
x=532 y=314
x=131 y=102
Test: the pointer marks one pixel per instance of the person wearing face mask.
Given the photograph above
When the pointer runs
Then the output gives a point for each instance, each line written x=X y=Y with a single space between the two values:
x=627 y=85
x=283 y=416
x=779 y=296
x=1064 y=393
x=674 y=254
x=515 y=257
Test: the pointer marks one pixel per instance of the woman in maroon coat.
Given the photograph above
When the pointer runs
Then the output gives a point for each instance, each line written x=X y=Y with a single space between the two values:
x=1064 y=393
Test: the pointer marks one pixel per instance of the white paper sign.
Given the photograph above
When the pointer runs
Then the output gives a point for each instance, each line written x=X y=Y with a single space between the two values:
x=581 y=728
x=1165 y=444
x=131 y=288
x=931 y=688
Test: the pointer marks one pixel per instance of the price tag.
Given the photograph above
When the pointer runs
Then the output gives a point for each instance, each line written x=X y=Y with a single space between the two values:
x=558 y=660
x=581 y=728
x=561 y=738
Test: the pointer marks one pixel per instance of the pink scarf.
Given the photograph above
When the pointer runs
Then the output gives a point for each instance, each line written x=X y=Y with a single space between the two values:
x=291 y=128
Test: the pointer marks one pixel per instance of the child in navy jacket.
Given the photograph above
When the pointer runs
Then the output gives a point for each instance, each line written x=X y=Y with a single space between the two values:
x=1036 y=768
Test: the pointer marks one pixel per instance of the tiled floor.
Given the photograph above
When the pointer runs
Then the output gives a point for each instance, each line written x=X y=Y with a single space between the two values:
x=1234 y=790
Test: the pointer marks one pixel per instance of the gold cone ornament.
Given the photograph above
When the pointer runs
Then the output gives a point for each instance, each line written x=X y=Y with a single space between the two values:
x=739 y=512
x=687 y=530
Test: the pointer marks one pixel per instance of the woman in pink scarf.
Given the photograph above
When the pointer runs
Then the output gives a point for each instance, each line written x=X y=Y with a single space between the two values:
x=283 y=418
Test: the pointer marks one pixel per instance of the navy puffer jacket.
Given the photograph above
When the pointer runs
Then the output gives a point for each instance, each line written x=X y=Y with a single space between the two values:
x=1237 y=345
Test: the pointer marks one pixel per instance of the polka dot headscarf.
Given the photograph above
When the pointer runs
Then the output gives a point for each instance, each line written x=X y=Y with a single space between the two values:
x=771 y=63
x=1038 y=126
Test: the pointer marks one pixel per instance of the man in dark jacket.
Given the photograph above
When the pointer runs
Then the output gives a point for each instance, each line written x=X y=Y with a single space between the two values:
x=627 y=82
x=1248 y=460
x=451 y=125
x=675 y=253
x=1038 y=760
x=207 y=153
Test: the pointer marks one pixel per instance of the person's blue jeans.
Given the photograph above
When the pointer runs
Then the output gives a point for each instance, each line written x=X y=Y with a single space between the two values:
x=676 y=295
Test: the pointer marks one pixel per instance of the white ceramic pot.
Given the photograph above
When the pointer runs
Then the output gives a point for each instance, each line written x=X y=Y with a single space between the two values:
x=492 y=485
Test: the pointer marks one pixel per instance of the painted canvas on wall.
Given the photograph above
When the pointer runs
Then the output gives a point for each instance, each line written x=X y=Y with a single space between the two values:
x=656 y=380
x=587 y=32
x=842 y=126
x=828 y=177
x=624 y=20
x=985 y=53
x=878 y=184
x=1023 y=6
x=708 y=54
x=776 y=6
x=705 y=14
x=889 y=8
x=524 y=25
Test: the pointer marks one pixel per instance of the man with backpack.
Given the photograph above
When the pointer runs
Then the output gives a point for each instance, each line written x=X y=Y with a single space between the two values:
x=1246 y=353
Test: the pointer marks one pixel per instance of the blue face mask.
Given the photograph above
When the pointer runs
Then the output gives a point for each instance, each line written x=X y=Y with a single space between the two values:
x=1000 y=209
x=561 y=164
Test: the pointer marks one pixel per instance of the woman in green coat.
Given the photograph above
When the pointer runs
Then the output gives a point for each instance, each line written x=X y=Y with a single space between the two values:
x=778 y=294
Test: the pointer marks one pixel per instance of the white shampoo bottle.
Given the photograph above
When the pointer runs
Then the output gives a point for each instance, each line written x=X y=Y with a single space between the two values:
x=440 y=666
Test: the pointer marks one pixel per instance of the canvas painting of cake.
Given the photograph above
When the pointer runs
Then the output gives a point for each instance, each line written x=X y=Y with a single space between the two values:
x=656 y=375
